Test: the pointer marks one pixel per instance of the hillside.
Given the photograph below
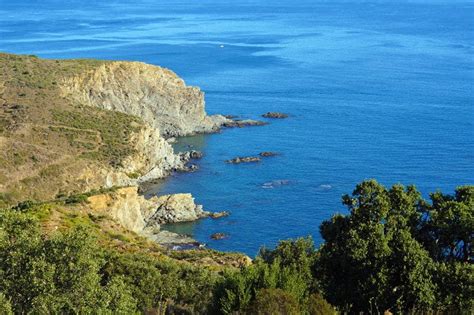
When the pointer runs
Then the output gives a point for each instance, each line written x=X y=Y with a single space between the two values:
x=77 y=137
x=75 y=125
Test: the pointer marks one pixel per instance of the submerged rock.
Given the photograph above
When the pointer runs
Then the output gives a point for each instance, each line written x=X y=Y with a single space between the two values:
x=275 y=115
x=248 y=159
x=191 y=167
x=267 y=154
x=219 y=236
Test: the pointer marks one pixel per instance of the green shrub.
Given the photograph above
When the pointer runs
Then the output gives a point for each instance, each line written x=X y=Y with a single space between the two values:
x=239 y=288
x=24 y=205
x=73 y=199
x=317 y=305
x=274 y=302
x=5 y=305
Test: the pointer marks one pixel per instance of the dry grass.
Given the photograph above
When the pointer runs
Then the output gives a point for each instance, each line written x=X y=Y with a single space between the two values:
x=44 y=137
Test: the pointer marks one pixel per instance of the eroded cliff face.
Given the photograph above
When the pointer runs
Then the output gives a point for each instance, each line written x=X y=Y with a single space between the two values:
x=124 y=205
x=155 y=94
x=159 y=98
x=144 y=216
x=153 y=158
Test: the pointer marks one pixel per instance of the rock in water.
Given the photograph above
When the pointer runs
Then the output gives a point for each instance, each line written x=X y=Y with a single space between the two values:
x=217 y=215
x=275 y=115
x=248 y=159
x=243 y=123
x=267 y=154
x=219 y=236
x=195 y=155
x=191 y=167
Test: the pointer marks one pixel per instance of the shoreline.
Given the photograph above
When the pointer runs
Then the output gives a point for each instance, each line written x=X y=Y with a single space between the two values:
x=183 y=241
x=101 y=129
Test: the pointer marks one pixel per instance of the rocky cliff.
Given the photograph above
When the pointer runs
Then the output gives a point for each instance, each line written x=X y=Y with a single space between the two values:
x=153 y=157
x=76 y=125
x=155 y=94
x=144 y=216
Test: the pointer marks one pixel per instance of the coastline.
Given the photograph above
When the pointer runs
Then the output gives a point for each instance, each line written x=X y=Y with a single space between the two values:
x=149 y=107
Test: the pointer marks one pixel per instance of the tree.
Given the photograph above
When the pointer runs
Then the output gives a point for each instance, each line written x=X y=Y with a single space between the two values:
x=370 y=260
x=297 y=255
x=58 y=274
x=287 y=269
x=447 y=230
x=455 y=282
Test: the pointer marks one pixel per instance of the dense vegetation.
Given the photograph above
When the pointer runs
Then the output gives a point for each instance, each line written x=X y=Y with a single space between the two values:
x=392 y=251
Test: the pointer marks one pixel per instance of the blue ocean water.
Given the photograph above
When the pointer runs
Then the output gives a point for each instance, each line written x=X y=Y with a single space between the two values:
x=375 y=89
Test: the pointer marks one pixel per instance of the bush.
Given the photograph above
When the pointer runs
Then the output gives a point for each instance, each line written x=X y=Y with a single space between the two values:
x=317 y=305
x=73 y=199
x=5 y=305
x=274 y=302
x=239 y=289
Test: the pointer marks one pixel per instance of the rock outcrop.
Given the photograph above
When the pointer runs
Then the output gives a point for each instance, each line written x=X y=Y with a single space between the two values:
x=123 y=205
x=70 y=126
x=275 y=115
x=154 y=158
x=176 y=208
x=155 y=94
x=145 y=216
x=232 y=123
x=267 y=154
x=219 y=236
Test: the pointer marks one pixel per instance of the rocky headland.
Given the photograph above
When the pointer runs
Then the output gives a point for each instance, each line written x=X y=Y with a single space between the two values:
x=74 y=126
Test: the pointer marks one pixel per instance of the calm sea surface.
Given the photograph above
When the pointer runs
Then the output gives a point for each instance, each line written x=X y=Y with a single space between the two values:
x=374 y=89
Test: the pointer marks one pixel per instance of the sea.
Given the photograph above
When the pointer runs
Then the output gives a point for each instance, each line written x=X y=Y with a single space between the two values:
x=373 y=89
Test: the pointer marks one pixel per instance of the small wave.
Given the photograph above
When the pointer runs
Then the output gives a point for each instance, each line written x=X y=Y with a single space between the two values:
x=323 y=187
x=275 y=183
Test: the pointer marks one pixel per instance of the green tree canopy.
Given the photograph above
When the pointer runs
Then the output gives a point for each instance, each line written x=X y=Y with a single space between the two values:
x=386 y=253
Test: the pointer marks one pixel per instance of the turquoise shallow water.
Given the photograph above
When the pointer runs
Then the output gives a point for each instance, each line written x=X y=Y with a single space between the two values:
x=374 y=90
